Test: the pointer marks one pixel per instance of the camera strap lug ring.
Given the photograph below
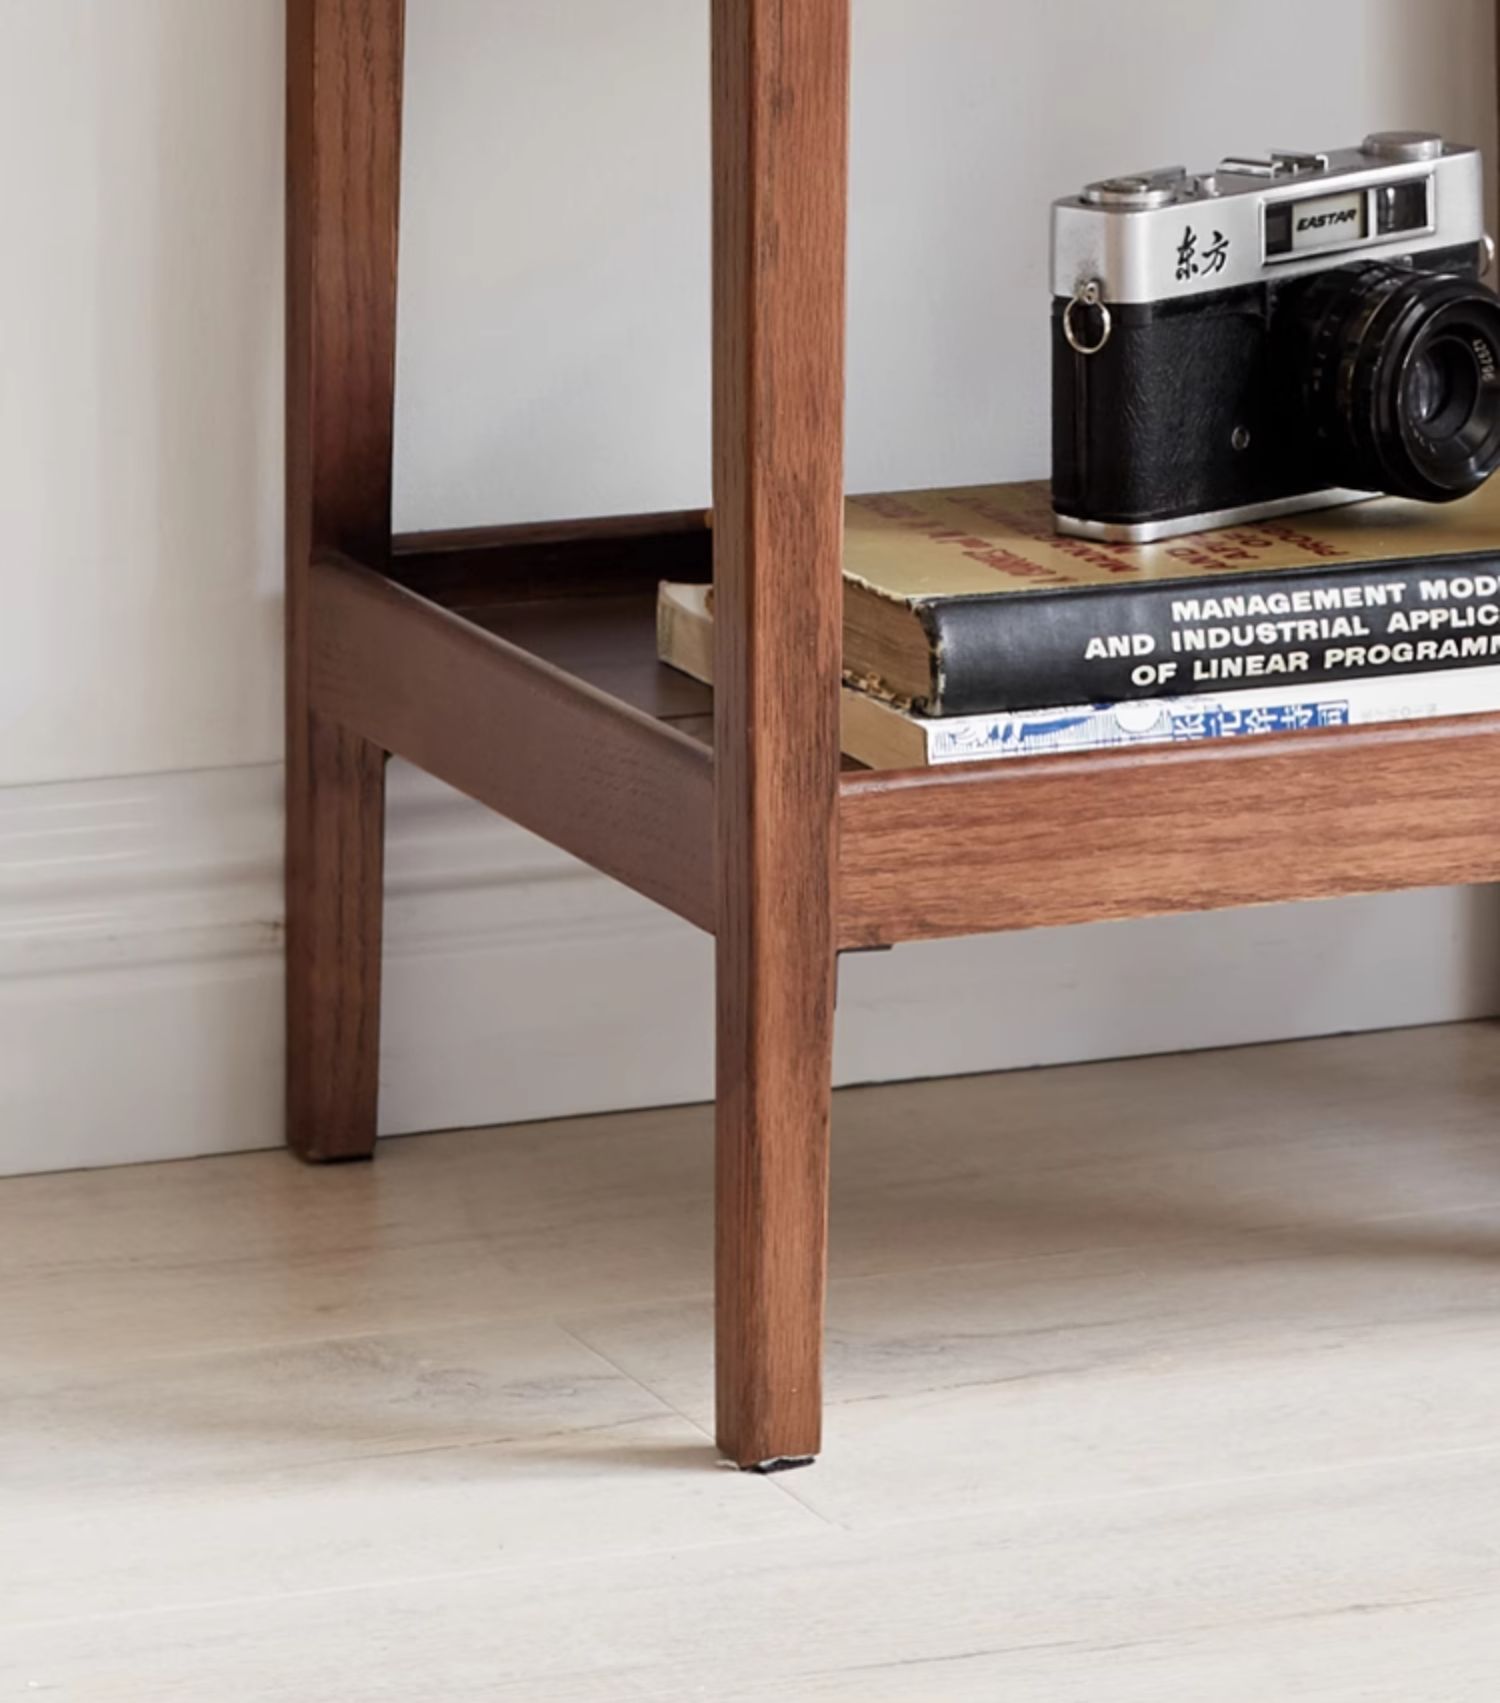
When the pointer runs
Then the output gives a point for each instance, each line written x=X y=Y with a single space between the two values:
x=1089 y=295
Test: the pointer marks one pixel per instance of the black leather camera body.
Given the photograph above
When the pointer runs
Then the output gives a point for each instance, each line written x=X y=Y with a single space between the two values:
x=1279 y=335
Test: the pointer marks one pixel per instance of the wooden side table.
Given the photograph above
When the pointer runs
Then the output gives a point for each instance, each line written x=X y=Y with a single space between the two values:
x=519 y=665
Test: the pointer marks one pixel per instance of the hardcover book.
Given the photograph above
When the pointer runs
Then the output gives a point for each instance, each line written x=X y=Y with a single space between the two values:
x=965 y=601
x=880 y=735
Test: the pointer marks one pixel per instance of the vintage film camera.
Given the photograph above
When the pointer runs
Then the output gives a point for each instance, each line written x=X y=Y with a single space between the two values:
x=1281 y=334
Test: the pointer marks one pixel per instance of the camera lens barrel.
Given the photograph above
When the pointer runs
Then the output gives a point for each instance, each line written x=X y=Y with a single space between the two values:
x=1400 y=378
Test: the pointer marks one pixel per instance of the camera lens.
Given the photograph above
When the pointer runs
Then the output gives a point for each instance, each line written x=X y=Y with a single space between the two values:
x=1399 y=375
x=1443 y=389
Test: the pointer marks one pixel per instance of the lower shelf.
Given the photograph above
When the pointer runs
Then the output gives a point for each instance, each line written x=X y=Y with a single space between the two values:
x=594 y=773
x=608 y=643
x=1043 y=841
x=555 y=712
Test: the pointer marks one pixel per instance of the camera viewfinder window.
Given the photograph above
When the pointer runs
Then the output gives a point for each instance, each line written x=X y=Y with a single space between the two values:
x=1403 y=207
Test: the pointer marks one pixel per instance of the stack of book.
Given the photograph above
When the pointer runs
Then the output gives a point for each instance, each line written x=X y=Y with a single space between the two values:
x=972 y=631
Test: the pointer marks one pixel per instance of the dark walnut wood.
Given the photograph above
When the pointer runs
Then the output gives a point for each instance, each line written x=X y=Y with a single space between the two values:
x=335 y=858
x=477 y=568
x=627 y=793
x=344 y=60
x=1039 y=841
x=780 y=108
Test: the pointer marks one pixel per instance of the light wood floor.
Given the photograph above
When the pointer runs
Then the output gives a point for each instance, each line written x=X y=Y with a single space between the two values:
x=1170 y=1379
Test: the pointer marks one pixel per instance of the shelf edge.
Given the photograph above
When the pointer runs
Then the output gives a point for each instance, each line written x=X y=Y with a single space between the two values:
x=631 y=796
x=1039 y=842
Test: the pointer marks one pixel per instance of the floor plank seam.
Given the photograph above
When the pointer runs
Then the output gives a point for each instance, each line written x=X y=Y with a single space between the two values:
x=297 y=1342
x=630 y=1377
x=774 y=1480
x=526 y=1564
x=1290 y=1231
x=1022 y=1505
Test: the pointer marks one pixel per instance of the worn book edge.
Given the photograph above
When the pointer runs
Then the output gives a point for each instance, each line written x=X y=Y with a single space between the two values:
x=883 y=736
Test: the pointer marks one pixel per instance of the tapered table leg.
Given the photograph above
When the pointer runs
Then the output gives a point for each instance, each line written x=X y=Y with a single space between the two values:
x=344 y=87
x=775 y=1068
x=781 y=74
x=335 y=848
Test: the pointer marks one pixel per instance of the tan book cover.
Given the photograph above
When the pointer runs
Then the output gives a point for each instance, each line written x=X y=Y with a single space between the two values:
x=874 y=732
x=966 y=599
x=881 y=736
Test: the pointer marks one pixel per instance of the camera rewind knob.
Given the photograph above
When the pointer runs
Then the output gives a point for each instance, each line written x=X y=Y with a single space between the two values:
x=1138 y=192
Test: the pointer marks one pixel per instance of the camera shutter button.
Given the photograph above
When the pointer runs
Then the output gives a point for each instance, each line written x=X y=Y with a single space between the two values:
x=1403 y=147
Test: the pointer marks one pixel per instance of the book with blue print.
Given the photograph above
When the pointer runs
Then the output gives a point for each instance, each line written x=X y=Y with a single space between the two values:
x=882 y=735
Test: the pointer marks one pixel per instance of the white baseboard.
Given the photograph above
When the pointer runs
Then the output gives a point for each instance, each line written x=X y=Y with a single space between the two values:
x=140 y=976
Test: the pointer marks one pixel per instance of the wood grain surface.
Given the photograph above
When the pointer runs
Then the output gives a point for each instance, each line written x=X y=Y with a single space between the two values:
x=611 y=557
x=606 y=642
x=344 y=67
x=627 y=793
x=780 y=141
x=1041 y=841
x=335 y=890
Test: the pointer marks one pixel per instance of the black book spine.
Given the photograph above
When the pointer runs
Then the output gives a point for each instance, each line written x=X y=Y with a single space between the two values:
x=1166 y=639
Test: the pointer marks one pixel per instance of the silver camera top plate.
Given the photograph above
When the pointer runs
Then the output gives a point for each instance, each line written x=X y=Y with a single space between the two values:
x=1158 y=235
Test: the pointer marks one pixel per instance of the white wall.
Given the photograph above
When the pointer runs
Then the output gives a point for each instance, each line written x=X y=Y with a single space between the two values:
x=554 y=341
x=140 y=391
x=555 y=289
